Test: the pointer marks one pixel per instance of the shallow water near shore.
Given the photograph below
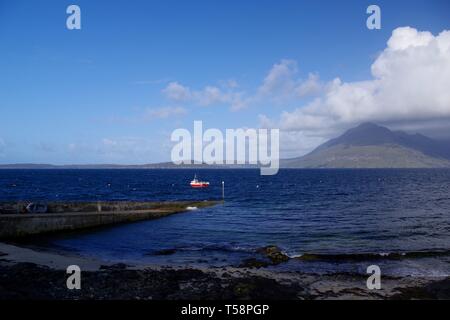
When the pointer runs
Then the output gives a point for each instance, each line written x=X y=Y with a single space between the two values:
x=328 y=221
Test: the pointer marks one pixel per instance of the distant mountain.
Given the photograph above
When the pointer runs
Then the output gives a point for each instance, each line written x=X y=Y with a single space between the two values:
x=51 y=166
x=373 y=146
x=366 y=146
x=161 y=165
x=26 y=166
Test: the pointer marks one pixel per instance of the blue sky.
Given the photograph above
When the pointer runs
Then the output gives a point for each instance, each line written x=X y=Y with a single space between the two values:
x=99 y=94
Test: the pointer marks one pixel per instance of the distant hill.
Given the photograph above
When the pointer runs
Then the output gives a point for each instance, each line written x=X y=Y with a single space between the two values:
x=162 y=165
x=366 y=146
x=51 y=166
x=373 y=146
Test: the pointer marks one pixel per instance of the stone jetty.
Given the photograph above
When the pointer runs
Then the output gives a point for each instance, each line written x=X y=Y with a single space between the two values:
x=16 y=222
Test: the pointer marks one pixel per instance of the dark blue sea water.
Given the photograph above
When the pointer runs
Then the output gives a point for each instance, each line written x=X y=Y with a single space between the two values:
x=397 y=219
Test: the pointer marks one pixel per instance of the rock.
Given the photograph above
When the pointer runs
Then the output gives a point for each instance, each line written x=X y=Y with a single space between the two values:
x=253 y=263
x=438 y=290
x=274 y=253
x=256 y=288
x=28 y=281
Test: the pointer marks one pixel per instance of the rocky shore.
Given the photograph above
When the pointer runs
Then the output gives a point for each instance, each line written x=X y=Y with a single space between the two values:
x=45 y=278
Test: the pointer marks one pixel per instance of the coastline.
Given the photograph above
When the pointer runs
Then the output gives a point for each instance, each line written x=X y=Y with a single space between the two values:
x=30 y=274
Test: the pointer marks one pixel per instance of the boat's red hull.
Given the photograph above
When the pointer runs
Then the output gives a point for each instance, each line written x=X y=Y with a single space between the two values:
x=200 y=185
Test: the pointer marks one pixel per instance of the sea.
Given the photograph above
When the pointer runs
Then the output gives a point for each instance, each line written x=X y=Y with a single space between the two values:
x=327 y=221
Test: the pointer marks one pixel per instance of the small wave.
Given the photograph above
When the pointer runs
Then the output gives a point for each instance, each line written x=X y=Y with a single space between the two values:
x=224 y=248
x=371 y=256
x=206 y=248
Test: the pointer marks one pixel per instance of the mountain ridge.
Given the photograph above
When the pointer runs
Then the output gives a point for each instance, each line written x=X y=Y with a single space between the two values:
x=373 y=146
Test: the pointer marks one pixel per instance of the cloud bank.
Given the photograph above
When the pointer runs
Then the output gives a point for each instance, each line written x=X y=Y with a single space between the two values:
x=210 y=95
x=280 y=85
x=409 y=89
x=410 y=82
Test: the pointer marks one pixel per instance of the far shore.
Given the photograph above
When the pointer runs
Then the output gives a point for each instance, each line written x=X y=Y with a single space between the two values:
x=26 y=273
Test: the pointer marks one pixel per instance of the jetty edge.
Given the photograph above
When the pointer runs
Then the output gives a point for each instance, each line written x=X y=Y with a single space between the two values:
x=70 y=216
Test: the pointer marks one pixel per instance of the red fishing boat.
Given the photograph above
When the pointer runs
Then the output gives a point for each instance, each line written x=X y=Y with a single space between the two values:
x=199 y=184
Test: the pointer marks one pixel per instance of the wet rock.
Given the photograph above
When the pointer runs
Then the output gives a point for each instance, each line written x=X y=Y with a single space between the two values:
x=254 y=288
x=253 y=263
x=439 y=290
x=273 y=253
x=29 y=281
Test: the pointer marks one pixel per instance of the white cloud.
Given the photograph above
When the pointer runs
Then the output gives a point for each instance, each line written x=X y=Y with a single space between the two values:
x=310 y=86
x=281 y=84
x=280 y=78
x=177 y=92
x=164 y=112
x=410 y=82
x=210 y=95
